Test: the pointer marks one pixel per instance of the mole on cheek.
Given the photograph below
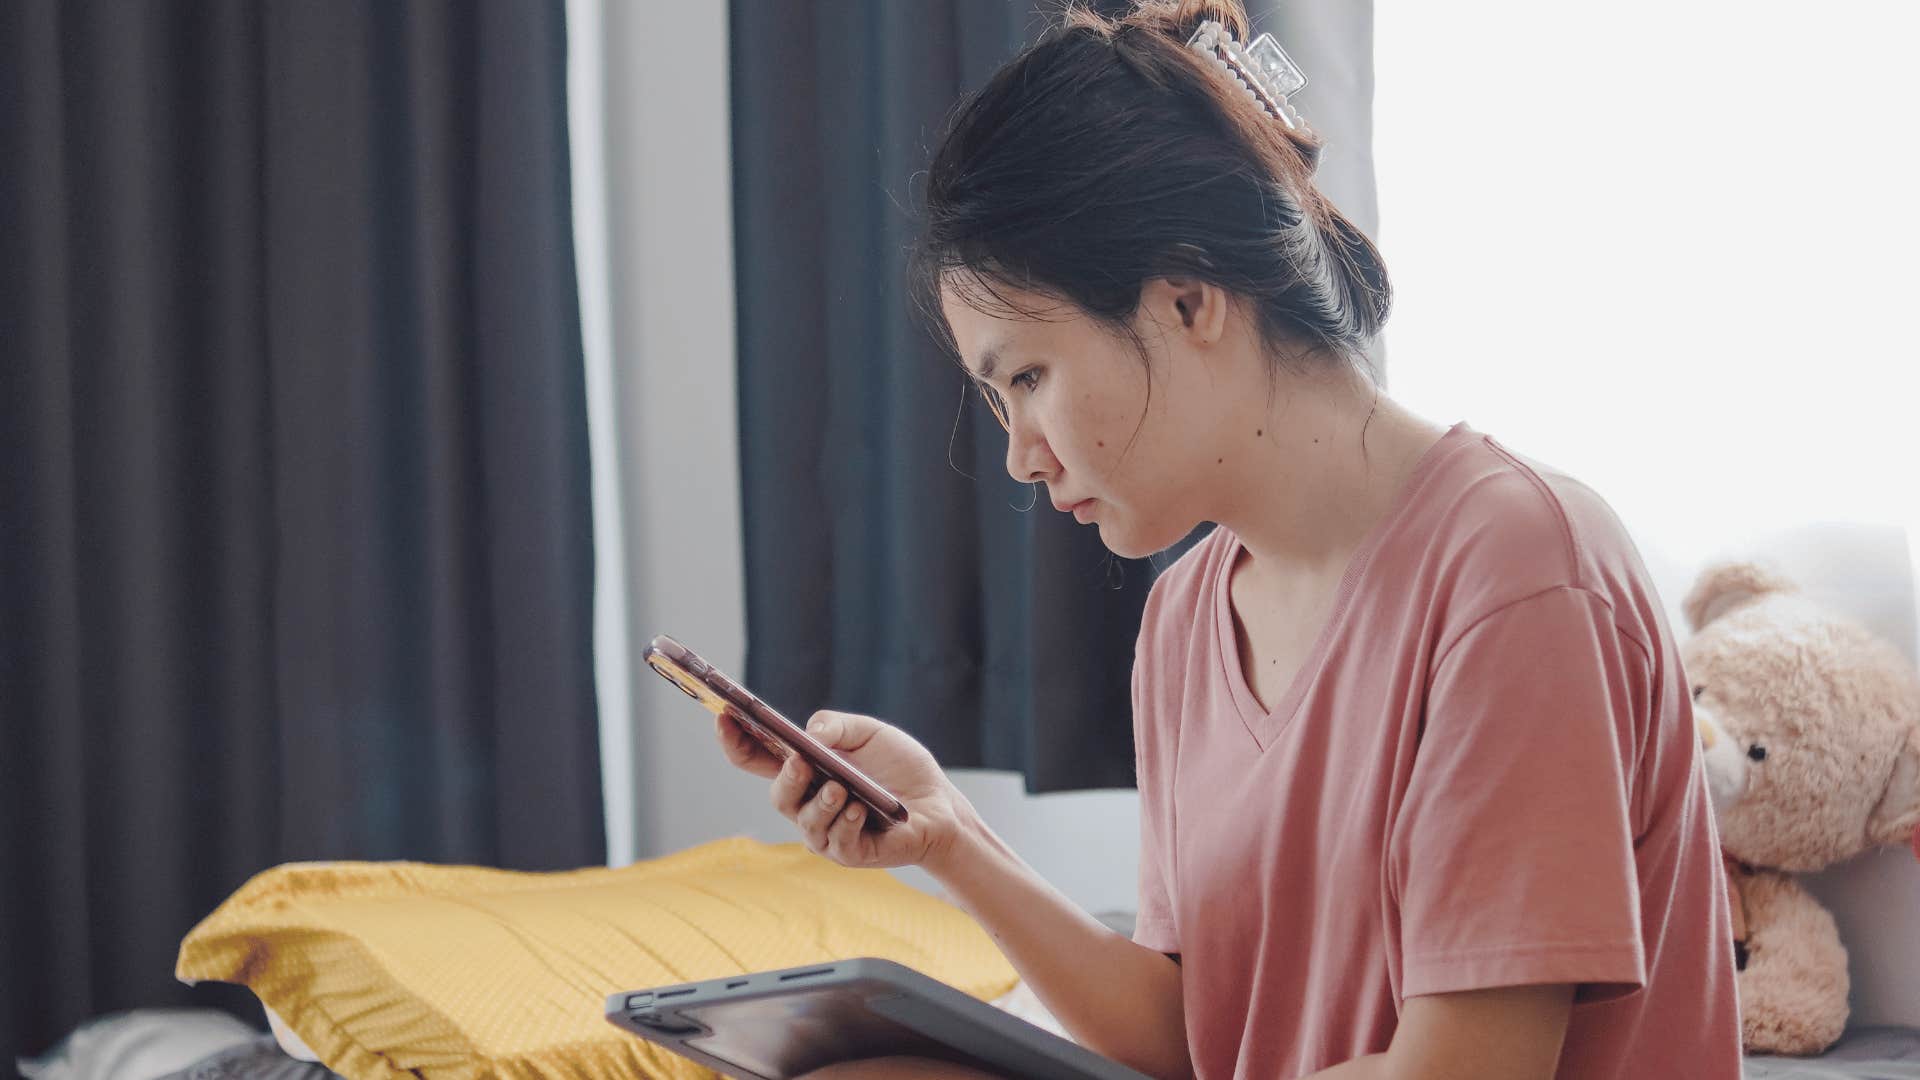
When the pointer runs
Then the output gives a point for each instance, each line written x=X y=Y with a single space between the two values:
x=1099 y=443
x=1220 y=461
x=1259 y=433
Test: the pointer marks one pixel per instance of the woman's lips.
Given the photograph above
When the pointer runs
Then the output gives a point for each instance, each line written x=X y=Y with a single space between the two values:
x=1081 y=510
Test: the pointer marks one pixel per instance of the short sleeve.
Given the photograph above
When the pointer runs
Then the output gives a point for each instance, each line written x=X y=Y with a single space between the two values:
x=1512 y=853
x=1153 y=923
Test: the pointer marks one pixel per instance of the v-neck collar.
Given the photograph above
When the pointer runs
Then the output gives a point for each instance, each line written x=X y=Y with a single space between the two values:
x=1266 y=725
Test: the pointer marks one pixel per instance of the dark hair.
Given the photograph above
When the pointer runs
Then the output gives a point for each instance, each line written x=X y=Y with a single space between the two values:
x=1108 y=153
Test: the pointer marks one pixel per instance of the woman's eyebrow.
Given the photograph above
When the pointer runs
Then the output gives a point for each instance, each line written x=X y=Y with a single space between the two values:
x=988 y=360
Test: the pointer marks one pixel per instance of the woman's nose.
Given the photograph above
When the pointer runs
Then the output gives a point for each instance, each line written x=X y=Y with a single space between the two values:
x=1029 y=459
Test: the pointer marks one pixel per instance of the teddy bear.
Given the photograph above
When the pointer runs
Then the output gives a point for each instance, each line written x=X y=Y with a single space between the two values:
x=1811 y=732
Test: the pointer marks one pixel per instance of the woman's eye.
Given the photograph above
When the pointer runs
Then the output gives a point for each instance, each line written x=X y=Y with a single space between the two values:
x=1032 y=379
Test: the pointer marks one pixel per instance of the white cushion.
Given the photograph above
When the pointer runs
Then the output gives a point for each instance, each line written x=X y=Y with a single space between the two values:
x=290 y=1042
x=141 y=1044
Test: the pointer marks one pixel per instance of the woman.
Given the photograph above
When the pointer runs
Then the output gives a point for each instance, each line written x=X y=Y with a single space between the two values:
x=1420 y=792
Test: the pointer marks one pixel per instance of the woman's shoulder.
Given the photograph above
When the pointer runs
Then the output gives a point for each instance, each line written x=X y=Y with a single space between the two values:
x=1510 y=527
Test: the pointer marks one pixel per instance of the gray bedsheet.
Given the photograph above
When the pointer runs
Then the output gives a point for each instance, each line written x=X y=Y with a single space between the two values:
x=1873 y=1053
x=1866 y=1054
x=193 y=1044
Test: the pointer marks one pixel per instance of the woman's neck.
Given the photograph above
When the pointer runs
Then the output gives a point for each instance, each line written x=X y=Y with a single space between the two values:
x=1331 y=460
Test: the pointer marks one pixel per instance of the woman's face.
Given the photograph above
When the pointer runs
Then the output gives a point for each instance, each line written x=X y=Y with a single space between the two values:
x=1080 y=416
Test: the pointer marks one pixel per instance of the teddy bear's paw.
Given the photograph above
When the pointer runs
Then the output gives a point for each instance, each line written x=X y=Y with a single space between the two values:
x=1779 y=1015
x=1793 y=989
x=1765 y=1031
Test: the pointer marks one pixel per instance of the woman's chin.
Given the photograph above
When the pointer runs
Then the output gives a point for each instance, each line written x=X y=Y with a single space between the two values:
x=1120 y=542
x=1130 y=544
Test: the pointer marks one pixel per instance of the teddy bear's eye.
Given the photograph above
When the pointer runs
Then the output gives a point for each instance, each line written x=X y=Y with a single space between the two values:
x=1757 y=752
x=1697 y=691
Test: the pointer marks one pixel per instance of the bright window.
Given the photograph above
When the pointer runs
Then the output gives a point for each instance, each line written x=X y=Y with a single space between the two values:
x=1668 y=247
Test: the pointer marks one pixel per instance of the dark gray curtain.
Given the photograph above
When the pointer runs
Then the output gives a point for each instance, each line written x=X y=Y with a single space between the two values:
x=295 y=556
x=891 y=564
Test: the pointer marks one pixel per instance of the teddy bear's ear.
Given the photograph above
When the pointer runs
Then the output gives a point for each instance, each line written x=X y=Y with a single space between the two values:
x=1897 y=813
x=1722 y=587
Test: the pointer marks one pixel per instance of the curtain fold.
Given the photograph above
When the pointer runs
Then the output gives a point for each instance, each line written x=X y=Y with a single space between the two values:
x=295 y=548
x=892 y=565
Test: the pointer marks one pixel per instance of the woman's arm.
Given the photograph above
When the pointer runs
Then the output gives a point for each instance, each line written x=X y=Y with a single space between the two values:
x=1117 y=998
x=1511 y=1033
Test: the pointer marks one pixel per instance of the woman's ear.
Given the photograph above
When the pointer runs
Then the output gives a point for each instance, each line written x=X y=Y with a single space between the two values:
x=1187 y=305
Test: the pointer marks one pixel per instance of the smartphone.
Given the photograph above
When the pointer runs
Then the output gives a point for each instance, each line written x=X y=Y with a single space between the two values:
x=782 y=737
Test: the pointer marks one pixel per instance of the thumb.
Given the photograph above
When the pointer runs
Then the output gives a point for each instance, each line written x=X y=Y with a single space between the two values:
x=842 y=731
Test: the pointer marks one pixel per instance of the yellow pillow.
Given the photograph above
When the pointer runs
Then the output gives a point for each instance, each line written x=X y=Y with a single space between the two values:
x=405 y=969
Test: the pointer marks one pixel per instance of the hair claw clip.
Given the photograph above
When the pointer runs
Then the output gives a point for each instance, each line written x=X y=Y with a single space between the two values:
x=1262 y=69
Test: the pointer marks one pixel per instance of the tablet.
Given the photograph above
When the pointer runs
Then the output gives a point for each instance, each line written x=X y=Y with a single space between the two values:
x=774 y=1025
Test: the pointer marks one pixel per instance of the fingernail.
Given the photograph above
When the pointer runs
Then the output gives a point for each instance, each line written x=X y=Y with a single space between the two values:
x=830 y=797
x=853 y=812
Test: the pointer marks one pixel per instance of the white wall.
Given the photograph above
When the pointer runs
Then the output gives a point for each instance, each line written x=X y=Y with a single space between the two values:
x=1663 y=248
x=654 y=123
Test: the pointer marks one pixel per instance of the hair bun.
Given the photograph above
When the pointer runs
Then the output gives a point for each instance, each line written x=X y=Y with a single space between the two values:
x=1178 y=19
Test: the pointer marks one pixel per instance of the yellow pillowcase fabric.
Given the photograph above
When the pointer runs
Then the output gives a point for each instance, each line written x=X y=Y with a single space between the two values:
x=406 y=969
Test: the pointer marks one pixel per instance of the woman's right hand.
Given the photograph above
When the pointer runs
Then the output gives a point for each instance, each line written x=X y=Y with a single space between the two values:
x=831 y=823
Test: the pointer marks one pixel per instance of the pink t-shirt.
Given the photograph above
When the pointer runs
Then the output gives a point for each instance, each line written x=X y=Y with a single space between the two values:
x=1485 y=774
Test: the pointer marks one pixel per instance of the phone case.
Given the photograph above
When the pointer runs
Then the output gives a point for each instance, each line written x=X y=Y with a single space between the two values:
x=782 y=737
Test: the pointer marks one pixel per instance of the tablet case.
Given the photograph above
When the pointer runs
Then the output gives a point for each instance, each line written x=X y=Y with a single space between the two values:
x=775 y=1025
